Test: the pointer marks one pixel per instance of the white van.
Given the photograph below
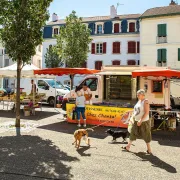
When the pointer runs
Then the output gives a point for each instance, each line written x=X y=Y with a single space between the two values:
x=46 y=86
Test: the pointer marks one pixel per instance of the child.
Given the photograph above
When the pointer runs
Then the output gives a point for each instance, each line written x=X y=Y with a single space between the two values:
x=80 y=107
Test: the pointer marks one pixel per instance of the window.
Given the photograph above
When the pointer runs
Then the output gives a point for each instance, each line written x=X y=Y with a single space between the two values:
x=162 y=30
x=116 y=47
x=99 y=48
x=116 y=28
x=131 y=47
x=161 y=55
x=162 y=34
x=90 y=82
x=98 y=65
x=6 y=62
x=138 y=47
x=56 y=31
x=131 y=27
x=6 y=83
x=116 y=62
x=178 y=54
x=84 y=65
x=99 y=29
x=131 y=62
x=42 y=84
x=93 y=49
x=157 y=86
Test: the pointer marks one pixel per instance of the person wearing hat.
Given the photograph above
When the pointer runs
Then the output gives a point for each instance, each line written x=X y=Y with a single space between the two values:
x=87 y=93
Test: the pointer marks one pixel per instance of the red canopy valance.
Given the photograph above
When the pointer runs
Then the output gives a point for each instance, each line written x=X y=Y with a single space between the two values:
x=169 y=73
x=65 y=71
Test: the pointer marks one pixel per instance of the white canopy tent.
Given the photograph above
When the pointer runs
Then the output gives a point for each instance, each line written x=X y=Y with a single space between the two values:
x=27 y=72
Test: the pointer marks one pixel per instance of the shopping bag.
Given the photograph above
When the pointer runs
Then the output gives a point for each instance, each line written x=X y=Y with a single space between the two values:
x=74 y=116
x=130 y=125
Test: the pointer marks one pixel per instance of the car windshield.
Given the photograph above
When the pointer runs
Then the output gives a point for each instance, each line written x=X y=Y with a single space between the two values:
x=52 y=83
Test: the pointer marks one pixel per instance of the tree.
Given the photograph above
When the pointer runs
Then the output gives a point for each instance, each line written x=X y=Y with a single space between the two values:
x=22 y=22
x=52 y=58
x=73 y=42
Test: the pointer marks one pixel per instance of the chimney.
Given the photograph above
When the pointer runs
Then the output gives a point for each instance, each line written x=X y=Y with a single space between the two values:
x=54 y=17
x=113 y=12
x=173 y=2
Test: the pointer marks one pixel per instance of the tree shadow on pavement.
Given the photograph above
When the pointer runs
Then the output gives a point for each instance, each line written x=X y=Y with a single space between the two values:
x=38 y=116
x=31 y=157
x=156 y=162
x=69 y=128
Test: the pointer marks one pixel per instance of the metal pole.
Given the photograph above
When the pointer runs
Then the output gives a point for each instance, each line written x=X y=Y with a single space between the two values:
x=55 y=93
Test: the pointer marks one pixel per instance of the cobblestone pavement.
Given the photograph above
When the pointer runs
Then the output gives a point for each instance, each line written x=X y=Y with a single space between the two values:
x=45 y=151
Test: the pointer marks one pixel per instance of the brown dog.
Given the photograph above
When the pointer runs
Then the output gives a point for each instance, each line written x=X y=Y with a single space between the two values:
x=78 y=134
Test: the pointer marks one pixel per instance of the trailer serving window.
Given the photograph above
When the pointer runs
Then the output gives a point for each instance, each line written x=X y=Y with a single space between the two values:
x=157 y=86
x=118 y=87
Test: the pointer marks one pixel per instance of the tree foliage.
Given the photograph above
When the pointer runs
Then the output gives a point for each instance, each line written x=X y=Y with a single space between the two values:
x=22 y=22
x=73 y=41
x=52 y=58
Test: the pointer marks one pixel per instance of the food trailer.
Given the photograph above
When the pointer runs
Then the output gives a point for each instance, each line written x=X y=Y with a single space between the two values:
x=114 y=93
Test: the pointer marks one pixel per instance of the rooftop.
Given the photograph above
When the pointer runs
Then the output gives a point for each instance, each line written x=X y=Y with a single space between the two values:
x=161 y=11
x=99 y=18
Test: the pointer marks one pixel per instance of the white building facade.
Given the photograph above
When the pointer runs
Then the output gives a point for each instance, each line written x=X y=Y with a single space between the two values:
x=160 y=37
x=160 y=41
x=115 y=40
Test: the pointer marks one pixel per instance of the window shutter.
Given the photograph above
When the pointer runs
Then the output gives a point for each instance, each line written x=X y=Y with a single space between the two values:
x=108 y=27
x=118 y=47
x=159 y=30
x=163 y=30
x=47 y=32
x=159 y=58
x=178 y=54
x=93 y=48
x=116 y=28
x=131 y=27
x=131 y=62
x=98 y=65
x=104 y=48
x=116 y=62
x=114 y=47
x=164 y=55
x=138 y=47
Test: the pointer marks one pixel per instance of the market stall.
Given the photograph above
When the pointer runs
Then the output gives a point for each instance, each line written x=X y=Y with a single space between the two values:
x=27 y=72
x=156 y=82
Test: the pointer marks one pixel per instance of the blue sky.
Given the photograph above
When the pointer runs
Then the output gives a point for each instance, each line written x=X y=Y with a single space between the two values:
x=86 y=8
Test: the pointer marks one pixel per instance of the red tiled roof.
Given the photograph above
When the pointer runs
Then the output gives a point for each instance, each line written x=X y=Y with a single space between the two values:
x=161 y=11
x=99 y=18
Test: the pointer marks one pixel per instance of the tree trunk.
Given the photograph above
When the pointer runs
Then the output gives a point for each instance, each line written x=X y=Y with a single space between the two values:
x=72 y=81
x=19 y=66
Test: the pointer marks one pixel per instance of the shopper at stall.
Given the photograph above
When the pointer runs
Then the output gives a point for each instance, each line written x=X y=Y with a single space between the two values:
x=80 y=107
x=33 y=87
x=86 y=93
x=141 y=127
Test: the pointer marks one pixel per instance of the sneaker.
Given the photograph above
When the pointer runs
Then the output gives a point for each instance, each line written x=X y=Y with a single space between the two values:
x=84 y=125
x=79 y=125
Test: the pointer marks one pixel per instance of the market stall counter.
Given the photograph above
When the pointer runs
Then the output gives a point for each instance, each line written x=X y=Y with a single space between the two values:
x=103 y=114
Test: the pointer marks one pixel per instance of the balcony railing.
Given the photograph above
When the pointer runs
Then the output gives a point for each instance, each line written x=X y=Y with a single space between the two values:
x=161 y=64
x=160 y=40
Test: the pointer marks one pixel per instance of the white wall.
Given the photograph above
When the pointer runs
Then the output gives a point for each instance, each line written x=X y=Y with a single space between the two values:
x=148 y=43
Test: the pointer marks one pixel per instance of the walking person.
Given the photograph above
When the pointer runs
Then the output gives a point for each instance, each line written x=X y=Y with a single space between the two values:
x=141 y=127
x=80 y=107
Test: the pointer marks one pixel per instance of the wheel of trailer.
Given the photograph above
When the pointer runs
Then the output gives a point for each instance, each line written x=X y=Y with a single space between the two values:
x=51 y=101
